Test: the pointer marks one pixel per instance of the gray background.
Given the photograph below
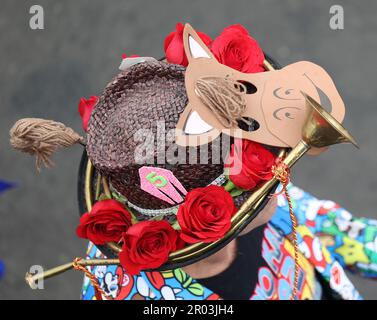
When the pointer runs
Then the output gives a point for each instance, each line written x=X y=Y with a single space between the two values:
x=45 y=72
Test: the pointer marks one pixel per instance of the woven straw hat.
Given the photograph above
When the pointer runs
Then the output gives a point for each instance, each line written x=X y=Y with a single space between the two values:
x=137 y=99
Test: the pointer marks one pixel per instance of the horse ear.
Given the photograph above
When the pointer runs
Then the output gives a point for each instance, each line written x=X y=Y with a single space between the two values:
x=194 y=46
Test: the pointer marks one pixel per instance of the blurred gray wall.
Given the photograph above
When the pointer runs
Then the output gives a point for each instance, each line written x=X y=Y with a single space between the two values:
x=45 y=72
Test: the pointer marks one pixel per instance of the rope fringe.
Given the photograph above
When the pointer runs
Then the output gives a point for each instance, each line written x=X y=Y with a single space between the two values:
x=225 y=98
x=42 y=138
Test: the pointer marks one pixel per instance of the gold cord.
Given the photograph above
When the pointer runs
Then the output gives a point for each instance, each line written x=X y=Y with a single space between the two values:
x=282 y=173
x=97 y=288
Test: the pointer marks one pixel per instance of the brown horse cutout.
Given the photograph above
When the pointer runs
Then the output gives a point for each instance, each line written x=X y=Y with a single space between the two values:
x=272 y=99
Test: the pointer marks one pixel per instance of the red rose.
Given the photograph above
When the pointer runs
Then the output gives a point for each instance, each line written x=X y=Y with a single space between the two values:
x=205 y=215
x=173 y=45
x=146 y=245
x=86 y=107
x=235 y=48
x=249 y=163
x=107 y=221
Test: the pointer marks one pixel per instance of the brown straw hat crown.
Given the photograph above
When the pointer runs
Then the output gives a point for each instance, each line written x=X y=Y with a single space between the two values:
x=135 y=99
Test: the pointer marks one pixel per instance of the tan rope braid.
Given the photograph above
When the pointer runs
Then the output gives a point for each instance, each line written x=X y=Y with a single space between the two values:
x=97 y=288
x=42 y=138
x=225 y=98
x=282 y=173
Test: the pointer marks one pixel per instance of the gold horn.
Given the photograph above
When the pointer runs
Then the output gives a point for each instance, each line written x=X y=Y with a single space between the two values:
x=321 y=128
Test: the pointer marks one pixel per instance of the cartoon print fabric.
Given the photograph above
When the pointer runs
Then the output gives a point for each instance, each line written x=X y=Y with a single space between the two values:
x=329 y=238
x=170 y=285
x=274 y=277
x=263 y=269
x=275 y=281
x=350 y=241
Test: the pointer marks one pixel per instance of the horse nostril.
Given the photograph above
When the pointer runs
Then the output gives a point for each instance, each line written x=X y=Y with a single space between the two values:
x=248 y=124
x=250 y=88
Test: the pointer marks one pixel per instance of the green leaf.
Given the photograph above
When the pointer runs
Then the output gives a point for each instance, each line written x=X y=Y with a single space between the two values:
x=157 y=218
x=134 y=219
x=180 y=275
x=175 y=225
x=119 y=197
x=196 y=289
x=229 y=186
x=103 y=197
x=133 y=216
x=236 y=192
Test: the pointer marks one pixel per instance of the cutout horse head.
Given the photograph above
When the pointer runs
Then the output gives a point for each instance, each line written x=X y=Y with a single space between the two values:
x=271 y=109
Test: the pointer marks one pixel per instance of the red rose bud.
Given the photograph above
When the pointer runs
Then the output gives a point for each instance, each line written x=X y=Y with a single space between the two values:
x=249 y=163
x=147 y=245
x=86 y=107
x=107 y=221
x=206 y=214
x=173 y=45
x=235 y=48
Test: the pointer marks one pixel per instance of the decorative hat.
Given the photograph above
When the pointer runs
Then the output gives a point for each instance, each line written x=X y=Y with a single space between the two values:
x=182 y=153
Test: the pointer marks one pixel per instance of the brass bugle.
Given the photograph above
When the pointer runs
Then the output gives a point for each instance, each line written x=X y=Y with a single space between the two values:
x=32 y=279
x=320 y=130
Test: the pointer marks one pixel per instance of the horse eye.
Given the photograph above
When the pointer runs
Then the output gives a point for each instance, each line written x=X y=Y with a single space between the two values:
x=250 y=88
x=248 y=124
